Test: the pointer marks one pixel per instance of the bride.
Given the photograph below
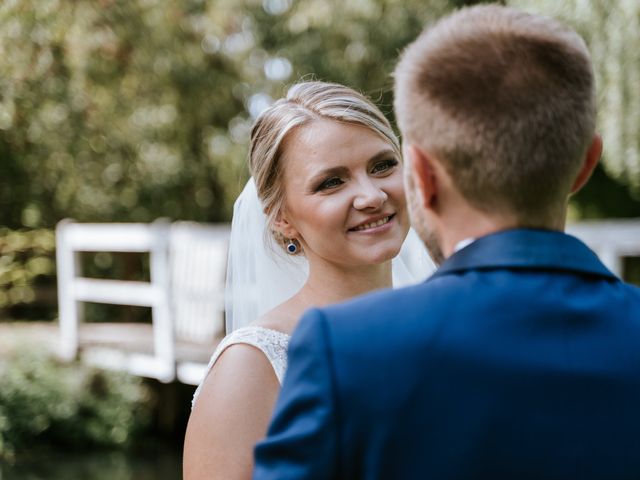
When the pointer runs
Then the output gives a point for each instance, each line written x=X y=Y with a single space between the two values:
x=319 y=222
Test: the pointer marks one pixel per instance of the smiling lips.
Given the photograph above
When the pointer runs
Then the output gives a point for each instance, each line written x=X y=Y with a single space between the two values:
x=372 y=225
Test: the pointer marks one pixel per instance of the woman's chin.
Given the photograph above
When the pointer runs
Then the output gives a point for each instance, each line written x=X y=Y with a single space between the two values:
x=384 y=253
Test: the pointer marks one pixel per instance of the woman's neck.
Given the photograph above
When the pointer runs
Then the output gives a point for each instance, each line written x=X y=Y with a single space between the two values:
x=327 y=284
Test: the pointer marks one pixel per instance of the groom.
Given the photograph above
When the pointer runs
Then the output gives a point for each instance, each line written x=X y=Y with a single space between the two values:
x=520 y=357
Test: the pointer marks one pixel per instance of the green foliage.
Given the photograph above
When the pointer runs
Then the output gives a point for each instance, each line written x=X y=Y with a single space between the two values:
x=603 y=197
x=45 y=403
x=358 y=47
x=27 y=260
x=610 y=28
x=116 y=110
x=130 y=110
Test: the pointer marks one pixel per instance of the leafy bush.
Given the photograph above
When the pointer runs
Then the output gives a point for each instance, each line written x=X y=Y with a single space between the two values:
x=45 y=403
x=27 y=267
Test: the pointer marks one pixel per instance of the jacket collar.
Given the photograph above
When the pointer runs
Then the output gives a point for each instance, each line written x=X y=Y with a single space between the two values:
x=526 y=249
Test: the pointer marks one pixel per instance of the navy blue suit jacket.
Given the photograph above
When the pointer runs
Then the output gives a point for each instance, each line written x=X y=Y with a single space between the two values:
x=519 y=358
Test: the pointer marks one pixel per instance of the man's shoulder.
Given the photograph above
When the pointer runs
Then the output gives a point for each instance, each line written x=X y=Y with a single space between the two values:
x=463 y=294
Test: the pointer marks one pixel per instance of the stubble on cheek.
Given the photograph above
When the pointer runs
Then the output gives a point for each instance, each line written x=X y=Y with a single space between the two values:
x=419 y=224
x=435 y=252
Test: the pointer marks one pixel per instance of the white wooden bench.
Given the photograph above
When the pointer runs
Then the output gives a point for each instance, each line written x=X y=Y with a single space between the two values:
x=185 y=294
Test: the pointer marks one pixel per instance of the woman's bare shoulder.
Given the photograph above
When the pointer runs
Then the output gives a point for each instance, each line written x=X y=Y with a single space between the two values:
x=232 y=413
x=239 y=361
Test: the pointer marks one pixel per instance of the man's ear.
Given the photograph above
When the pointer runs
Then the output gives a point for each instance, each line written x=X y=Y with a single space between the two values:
x=591 y=159
x=422 y=174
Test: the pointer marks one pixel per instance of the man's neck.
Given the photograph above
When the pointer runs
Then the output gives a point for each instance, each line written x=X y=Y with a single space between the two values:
x=481 y=225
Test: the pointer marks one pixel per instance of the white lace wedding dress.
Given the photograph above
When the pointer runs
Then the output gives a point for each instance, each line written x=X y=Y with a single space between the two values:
x=270 y=342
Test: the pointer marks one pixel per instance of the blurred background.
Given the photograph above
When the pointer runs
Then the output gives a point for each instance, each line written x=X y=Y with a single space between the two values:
x=134 y=110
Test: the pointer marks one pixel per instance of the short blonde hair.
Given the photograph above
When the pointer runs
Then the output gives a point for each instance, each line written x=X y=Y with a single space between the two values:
x=304 y=103
x=506 y=101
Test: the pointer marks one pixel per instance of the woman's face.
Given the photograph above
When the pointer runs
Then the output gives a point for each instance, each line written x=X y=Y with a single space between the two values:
x=344 y=195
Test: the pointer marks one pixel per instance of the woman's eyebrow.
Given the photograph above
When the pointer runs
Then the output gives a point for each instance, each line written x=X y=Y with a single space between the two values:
x=328 y=172
x=382 y=154
x=342 y=170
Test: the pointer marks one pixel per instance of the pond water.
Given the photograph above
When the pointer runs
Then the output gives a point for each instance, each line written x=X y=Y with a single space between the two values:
x=165 y=464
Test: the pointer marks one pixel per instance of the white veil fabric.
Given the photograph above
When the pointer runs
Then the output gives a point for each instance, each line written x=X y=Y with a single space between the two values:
x=260 y=275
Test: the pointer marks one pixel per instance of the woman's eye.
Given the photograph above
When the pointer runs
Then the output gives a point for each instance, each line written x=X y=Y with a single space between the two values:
x=384 y=166
x=330 y=183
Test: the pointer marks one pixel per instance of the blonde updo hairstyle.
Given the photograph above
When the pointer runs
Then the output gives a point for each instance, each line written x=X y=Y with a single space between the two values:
x=304 y=103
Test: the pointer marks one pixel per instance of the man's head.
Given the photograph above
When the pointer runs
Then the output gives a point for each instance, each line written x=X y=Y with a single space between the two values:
x=504 y=103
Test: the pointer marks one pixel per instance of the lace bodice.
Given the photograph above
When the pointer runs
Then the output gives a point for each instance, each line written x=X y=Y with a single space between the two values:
x=271 y=342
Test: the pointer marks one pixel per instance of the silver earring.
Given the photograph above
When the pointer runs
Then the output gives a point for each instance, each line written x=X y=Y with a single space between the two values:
x=292 y=248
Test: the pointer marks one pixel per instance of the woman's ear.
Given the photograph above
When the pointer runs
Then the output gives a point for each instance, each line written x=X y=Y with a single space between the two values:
x=284 y=226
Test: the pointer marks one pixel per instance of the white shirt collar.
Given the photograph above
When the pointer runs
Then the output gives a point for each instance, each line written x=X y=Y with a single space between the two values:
x=463 y=243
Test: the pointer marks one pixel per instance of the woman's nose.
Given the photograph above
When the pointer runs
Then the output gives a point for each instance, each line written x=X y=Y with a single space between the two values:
x=369 y=196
